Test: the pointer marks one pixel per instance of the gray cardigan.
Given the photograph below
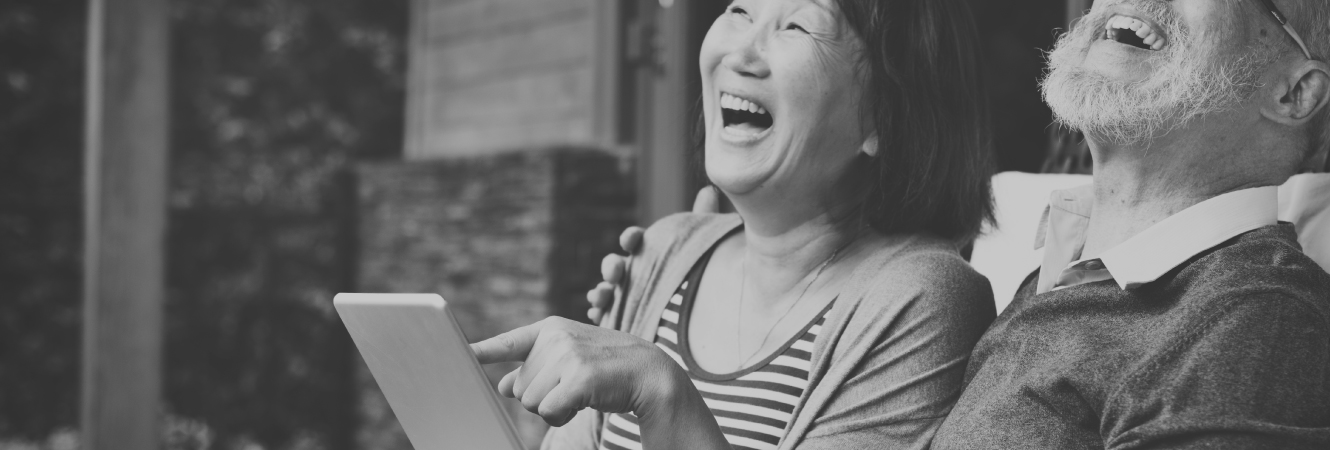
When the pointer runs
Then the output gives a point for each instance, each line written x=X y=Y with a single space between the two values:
x=888 y=364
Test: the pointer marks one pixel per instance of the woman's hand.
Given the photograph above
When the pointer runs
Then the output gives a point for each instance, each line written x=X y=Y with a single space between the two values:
x=568 y=366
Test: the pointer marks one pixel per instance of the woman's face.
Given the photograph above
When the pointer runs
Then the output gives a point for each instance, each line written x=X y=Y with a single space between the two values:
x=781 y=97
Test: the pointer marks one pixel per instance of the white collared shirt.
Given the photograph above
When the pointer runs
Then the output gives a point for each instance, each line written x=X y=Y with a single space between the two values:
x=1149 y=255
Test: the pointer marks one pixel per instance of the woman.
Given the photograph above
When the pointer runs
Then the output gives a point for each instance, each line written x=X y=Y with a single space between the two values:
x=832 y=311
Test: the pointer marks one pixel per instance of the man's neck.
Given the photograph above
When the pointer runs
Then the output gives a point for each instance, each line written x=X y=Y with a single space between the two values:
x=1136 y=188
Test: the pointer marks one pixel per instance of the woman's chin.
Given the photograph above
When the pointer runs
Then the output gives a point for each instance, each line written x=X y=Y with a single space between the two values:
x=741 y=171
x=737 y=183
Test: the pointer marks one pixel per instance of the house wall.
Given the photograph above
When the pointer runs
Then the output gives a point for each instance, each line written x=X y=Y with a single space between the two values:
x=491 y=76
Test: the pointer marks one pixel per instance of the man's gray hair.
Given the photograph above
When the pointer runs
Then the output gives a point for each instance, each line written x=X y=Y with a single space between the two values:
x=1311 y=19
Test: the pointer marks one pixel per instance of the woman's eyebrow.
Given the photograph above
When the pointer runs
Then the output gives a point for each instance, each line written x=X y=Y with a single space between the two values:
x=830 y=13
x=825 y=15
x=826 y=8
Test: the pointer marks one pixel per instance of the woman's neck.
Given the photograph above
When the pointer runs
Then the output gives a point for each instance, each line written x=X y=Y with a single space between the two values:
x=780 y=256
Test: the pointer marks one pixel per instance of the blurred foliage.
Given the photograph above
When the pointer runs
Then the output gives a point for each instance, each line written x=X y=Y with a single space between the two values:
x=41 y=112
x=271 y=101
x=275 y=99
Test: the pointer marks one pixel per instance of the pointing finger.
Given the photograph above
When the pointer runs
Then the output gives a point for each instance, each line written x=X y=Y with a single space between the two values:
x=511 y=346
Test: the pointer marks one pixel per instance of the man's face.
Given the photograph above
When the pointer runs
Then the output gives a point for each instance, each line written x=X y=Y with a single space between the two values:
x=1134 y=70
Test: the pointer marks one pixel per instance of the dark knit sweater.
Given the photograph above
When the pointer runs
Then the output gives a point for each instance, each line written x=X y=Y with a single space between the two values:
x=1229 y=350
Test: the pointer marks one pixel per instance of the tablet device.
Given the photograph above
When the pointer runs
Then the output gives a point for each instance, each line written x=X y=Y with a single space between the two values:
x=423 y=364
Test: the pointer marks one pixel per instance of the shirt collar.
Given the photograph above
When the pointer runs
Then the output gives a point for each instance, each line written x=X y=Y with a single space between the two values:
x=1063 y=205
x=1159 y=249
x=1149 y=255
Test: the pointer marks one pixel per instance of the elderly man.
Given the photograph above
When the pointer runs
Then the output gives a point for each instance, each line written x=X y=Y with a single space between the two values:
x=1172 y=310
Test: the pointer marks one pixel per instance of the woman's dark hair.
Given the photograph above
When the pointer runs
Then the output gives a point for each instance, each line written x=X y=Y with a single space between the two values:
x=933 y=169
x=924 y=97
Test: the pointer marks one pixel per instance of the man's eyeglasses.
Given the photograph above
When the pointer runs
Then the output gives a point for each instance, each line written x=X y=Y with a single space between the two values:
x=1283 y=21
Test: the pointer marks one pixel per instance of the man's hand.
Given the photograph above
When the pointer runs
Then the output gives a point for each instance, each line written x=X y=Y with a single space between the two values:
x=568 y=366
x=614 y=268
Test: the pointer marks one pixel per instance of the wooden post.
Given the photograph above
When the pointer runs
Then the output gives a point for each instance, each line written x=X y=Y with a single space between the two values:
x=124 y=223
x=663 y=163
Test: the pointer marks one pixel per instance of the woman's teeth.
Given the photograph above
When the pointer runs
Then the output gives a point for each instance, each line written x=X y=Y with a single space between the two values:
x=1133 y=32
x=728 y=101
x=742 y=118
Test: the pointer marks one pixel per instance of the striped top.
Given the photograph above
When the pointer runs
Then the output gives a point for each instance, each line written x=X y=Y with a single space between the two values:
x=752 y=406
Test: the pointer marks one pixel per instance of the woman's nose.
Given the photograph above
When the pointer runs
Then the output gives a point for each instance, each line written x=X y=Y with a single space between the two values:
x=748 y=58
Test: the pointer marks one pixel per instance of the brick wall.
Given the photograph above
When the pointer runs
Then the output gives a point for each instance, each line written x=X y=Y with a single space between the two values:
x=506 y=239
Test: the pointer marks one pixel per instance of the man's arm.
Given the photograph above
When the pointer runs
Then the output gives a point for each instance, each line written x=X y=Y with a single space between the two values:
x=1255 y=375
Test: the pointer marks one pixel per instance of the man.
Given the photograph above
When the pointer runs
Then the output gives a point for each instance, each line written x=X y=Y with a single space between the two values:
x=1171 y=310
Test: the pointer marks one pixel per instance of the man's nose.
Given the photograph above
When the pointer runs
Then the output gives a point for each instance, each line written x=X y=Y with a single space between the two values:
x=748 y=57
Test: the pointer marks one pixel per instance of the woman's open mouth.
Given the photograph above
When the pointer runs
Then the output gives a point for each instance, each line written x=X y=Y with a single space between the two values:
x=1134 y=32
x=743 y=117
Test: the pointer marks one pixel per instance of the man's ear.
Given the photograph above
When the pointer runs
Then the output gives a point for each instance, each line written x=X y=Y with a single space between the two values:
x=869 y=146
x=1301 y=95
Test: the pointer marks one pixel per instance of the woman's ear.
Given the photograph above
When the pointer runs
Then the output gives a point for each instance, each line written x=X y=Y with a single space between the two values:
x=1302 y=95
x=869 y=146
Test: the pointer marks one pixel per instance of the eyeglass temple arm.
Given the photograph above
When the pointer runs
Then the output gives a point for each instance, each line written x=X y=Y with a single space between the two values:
x=1283 y=22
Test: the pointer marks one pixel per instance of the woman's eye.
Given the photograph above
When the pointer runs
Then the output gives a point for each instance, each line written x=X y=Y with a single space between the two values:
x=795 y=27
x=738 y=10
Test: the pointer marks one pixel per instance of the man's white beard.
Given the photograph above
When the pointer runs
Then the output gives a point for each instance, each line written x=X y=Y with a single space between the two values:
x=1187 y=83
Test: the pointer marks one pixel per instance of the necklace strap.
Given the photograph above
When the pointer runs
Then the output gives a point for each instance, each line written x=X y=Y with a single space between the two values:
x=743 y=283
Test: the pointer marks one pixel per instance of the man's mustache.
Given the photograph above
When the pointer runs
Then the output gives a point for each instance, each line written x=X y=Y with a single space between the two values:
x=1153 y=10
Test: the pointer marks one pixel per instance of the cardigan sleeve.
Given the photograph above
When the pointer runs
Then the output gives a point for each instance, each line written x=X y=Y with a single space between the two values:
x=917 y=324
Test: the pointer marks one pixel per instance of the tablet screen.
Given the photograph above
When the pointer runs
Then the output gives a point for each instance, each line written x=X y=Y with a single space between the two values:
x=423 y=364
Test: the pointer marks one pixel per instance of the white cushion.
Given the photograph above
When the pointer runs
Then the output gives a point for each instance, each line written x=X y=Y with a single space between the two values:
x=1006 y=254
x=1305 y=201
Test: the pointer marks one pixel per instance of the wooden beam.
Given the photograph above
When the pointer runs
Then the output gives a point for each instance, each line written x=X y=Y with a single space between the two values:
x=124 y=223
x=609 y=64
x=663 y=165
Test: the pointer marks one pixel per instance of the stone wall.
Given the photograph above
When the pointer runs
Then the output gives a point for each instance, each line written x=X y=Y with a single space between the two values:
x=506 y=239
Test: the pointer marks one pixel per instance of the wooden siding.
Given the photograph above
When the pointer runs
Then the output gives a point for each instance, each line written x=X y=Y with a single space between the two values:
x=492 y=76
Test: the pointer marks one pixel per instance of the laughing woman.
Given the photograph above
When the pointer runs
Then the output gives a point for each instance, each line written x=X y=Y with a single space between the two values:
x=832 y=310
